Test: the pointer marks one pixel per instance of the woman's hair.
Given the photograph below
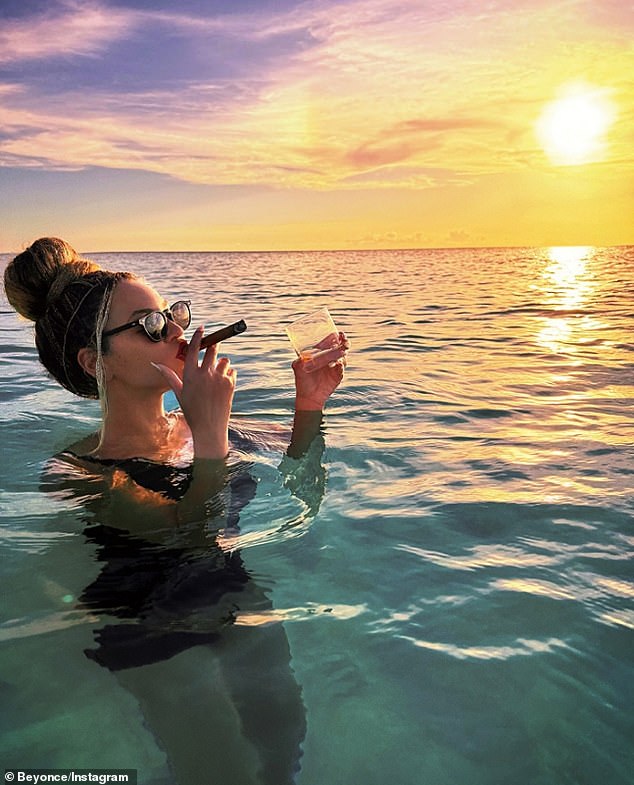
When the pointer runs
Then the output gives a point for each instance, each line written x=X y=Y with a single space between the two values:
x=68 y=298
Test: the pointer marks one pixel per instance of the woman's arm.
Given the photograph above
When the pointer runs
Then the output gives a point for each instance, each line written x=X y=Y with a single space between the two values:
x=315 y=381
x=306 y=426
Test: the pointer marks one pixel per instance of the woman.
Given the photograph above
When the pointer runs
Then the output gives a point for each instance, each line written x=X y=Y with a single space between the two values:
x=160 y=488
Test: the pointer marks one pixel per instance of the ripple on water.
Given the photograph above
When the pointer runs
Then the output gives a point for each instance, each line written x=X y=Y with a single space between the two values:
x=521 y=648
x=468 y=558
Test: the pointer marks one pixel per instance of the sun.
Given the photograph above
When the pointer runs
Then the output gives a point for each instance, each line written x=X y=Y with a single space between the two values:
x=572 y=128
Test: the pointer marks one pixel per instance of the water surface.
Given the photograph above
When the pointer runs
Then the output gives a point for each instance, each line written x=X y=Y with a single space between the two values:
x=460 y=605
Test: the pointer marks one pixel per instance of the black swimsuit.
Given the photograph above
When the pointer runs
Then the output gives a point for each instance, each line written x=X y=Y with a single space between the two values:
x=171 y=481
x=170 y=597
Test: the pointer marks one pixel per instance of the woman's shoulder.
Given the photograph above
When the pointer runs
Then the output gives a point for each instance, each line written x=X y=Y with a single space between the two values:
x=72 y=470
x=82 y=447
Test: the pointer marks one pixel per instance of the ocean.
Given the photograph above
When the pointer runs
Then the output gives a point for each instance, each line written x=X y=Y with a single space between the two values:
x=457 y=594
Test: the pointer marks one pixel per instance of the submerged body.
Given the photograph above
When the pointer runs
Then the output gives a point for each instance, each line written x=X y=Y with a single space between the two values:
x=158 y=488
x=171 y=599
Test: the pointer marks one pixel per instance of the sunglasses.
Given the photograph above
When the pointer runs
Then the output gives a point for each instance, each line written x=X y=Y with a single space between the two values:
x=155 y=322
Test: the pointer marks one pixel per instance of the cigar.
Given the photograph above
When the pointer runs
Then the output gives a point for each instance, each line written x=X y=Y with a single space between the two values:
x=223 y=333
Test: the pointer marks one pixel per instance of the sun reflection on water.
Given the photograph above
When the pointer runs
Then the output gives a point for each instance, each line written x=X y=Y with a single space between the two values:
x=567 y=273
x=568 y=283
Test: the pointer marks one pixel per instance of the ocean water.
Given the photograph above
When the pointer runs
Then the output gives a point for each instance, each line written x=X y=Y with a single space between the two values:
x=457 y=594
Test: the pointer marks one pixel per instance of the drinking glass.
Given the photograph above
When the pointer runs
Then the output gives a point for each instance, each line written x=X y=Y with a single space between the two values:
x=312 y=334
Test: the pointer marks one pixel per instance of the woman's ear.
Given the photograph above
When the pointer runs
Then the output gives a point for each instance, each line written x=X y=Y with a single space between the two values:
x=87 y=359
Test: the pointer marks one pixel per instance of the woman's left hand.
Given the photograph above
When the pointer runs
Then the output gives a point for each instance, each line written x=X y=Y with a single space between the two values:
x=318 y=377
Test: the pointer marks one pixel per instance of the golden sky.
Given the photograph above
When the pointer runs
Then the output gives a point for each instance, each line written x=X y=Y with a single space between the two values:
x=286 y=125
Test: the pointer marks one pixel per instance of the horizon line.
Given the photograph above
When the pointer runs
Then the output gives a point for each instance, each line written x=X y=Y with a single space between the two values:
x=350 y=250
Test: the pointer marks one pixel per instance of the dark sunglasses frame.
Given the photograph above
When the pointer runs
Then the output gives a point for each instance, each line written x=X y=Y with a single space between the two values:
x=167 y=316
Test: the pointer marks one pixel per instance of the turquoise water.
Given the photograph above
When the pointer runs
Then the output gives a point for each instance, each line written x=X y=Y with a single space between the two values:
x=458 y=598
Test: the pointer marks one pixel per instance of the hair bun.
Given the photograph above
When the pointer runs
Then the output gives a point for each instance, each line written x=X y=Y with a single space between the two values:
x=38 y=275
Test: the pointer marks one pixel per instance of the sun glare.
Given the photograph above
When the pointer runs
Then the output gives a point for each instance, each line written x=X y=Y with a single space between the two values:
x=572 y=128
x=567 y=284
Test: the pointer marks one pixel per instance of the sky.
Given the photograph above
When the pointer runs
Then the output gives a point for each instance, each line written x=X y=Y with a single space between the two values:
x=281 y=125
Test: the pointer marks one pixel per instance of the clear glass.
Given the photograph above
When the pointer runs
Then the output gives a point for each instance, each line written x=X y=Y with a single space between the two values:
x=313 y=333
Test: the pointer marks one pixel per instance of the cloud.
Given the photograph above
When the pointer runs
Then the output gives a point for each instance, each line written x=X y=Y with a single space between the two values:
x=378 y=93
x=72 y=29
x=392 y=239
x=75 y=28
x=406 y=177
x=459 y=236
x=409 y=137
x=615 y=16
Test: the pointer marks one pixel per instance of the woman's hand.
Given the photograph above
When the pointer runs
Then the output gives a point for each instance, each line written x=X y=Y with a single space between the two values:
x=319 y=376
x=205 y=394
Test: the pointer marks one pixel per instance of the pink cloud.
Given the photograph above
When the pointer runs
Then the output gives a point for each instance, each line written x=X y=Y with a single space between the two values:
x=407 y=138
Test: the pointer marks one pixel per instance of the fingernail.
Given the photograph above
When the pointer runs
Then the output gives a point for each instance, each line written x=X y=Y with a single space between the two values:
x=158 y=367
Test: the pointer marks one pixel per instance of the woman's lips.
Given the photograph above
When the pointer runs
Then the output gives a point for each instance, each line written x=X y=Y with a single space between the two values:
x=182 y=350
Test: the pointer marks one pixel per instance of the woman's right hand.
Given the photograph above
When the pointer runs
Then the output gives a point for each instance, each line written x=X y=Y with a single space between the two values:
x=205 y=394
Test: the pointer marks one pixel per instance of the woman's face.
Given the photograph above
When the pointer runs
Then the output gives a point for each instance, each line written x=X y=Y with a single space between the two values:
x=130 y=352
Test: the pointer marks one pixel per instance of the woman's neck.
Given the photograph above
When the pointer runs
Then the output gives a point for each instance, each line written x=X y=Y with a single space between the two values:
x=136 y=428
